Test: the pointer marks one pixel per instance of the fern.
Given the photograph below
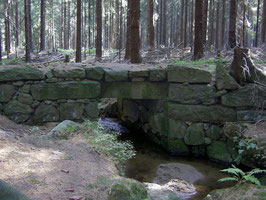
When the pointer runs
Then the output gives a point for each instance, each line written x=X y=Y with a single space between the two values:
x=235 y=171
x=228 y=179
x=257 y=171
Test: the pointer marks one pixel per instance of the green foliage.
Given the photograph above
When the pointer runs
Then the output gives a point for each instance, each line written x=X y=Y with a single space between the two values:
x=13 y=61
x=240 y=175
x=201 y=62
x=108 y=143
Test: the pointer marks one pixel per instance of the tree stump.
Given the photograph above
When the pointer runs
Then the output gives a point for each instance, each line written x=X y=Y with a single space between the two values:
x=243 y=69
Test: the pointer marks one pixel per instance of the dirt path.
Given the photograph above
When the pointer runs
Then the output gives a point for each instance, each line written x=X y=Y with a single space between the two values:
x=34 y=165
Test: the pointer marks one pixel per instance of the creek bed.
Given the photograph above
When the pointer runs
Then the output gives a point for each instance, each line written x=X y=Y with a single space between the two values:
x=150 y=160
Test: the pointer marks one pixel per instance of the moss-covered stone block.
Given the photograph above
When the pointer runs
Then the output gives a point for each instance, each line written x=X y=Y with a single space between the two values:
x=178 y=147
x=25 y=98
x=71 y=111
x=218 y=151
x=224 y=80
x=176 y=129
x=91 y=110
x=46 y=113
x=115 y=74
x=69 y=72
x=14 y=107
x=195 y=134
x=94 y=73
x=158 y=75
x=6 y=92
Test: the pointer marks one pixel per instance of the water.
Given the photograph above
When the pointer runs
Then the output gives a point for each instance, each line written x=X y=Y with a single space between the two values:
x=202 y=173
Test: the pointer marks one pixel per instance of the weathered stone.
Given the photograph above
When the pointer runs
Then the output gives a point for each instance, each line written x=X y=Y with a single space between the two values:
x=178 y=147
x=25 y=89
x=221 y=93
x=35 y=104
x=158 y=75
x=46 y=113
x=176 y=129
x=218 y=151
x=158 y=123
x=192 y=94
x=251 y=115
x=14 y=107
x=115 y=74
x=69 y=73
x=25 y=98
x=16 y=73
x=18 y=117
x=224 y=80
x=63 y=129
x=200 y=113
x=130 y=111
x=66 y=90
x=49 y=74
x=91 y=110
x=135 y=90
x=94 y=73
x=18 y=83
x=214 y=132
x=250 y=95
x=138 y=79
x=51 y=80
x=198 y=151
x=195 y=134
x=138 y=73
x=1 y=107
x=208 y=141
x=7 y=192
x=72 y=111
x=187 y=74
x=6 y=92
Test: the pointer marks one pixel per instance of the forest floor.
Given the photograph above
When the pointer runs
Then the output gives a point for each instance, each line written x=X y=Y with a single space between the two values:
x=50 y=170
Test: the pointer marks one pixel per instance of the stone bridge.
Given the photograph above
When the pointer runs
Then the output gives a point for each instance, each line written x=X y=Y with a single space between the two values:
x=182 y=108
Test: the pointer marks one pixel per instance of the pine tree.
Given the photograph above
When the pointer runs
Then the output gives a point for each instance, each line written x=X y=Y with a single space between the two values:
x=263 y=23
x=78 y=34
x=232 y=24
x=43 y=13
x=99 y=30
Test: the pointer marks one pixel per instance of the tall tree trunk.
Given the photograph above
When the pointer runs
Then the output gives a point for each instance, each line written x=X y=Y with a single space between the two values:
x=223 y=23
x=61 y=29
x=65 y=25
x=182 y=25
x=263 y=23
x=52 y=25
x=217 y=25
x=0 y=44
x=211 y=22
x=150 y=27
x=134 y=33
x=185 y=28
x=244 y=23
x=205 y=18
x=117 y=25
x=172 y=25
x=232 y=24
x=257 y=24
x=78 y=34
x=68 y=26
x=89 y=27
x=127 y=54
x=164 y=31
x=30 y=25
x=43 y=12
x=7 y=29
x=17 y=26
x=192 y=23
x=27 y=30
x=198 y=43
x=99 y=30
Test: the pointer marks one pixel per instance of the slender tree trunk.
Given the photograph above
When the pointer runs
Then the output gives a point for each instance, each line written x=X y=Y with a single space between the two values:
x=43 y=12
x=192 y=23
x=1 y=44
x=211 y=22
x=164 y=31
x=198 y=43
x=61 y=29
x=127 y=54
x=232 y=24
x=17 y=26
x=263 y=23
x=27 y=30
x=172 y=25
x=205 y=18
x=257 y=24
x=134 y=35
x=182 y=25
x=244 y=24
x=186 y=21
x=7 y=29
x=117 y=25
x=223 y=23
x=30 y=31
x=68 y=26
x=89 y=27
x=78 y=34
x=217 y=25
x=150 y=26
x=99 y=30
x=65 y=25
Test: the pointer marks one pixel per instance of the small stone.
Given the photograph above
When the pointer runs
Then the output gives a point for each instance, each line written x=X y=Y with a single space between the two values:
x=214 y=132
x=71 y=111
x=218 y=151
x=208 y=141
x=48 y=102
x=176 y=129
x=18 y=83
x=49 y=74
x=35 y=104
x=221 y=93
x=25 y=89
x=25 y=98
x=6 y=92
x=51 y=80
x=224 y=80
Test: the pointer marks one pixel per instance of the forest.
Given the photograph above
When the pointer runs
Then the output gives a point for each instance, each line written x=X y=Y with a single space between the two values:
x=128 y=28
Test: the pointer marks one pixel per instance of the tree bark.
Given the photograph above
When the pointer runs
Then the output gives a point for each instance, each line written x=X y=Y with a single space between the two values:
x=223 y=23
x=257 y=24
x=65 y=25
x=7 y=29
x=232 y=24
x=68 y=26
x=61 y=26
x=263 y=23
x=244 y=24
x=134 y=35
x=0 y=44
x=89 y=27
x=182 y=25
x=27 y=30
x=217 y=25
x=78 y=34
x=205 y=18
x=211 y=22
x=150 y=26
x=17 y=25
x=127 y=54
x=30 y=27
x=99 y=30
x=43 y=12
x=186 y=21
x=198 y=43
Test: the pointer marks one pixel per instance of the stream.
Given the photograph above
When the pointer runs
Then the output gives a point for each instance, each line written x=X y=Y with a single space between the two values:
x=153 y=165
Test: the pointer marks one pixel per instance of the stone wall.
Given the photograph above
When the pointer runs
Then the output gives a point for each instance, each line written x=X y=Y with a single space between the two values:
x=181 y=108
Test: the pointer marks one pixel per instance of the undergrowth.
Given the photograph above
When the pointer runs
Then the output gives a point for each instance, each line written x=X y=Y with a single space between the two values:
x=201 y=62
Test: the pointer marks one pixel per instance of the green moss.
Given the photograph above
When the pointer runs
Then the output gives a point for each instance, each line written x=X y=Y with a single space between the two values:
x=201 y=62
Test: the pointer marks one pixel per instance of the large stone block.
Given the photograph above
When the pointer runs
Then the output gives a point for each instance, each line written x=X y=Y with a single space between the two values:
x=188 y=74
x=14 y=107
x=250 y=95
x=71 y=111
x=218 y=151
x=94 y=73
x=92 y=110
x=192 y=94
x=224 y=80
x=200 y=113
x=135 y=90
x=176 y=129
x=195 y=134
x=178 y=147
x=66 y=90
x=6 y=92
x=130 y=110
x=46 y=113
x=115 y=74
x=69 y=72
x=158 y=123
x=158 y=75
x=25 y=98
x=15 y=73
x=251 y=115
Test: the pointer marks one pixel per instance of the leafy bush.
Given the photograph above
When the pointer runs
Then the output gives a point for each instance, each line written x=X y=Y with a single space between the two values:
x=108 y=143
x=239 y=175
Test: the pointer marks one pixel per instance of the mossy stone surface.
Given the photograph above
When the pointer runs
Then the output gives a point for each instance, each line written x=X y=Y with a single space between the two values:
x=94 y=73
x=195 y=134
x=7 y=192
x=71 y=111
x=178 y=147
x=69 y=73
x=218 y=151
x=6 y=92
x=46 y=113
